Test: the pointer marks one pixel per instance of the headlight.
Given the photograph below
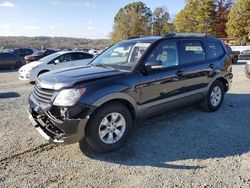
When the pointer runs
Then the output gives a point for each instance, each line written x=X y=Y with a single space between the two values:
x=68 y=97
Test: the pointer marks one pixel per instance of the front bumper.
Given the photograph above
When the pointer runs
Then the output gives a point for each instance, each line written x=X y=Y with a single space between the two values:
x=25 y=76
x=62 y=131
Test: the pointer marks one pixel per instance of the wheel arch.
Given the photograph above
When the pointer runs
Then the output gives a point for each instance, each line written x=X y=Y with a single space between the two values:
x=224 y=82
x=125 y=99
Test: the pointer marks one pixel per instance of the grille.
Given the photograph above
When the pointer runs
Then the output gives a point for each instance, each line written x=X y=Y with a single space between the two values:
x=43 y=95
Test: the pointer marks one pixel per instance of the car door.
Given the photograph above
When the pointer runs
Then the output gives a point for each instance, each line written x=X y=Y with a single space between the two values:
x=61 y=62
x=3 y=62
x=159 y=87
x=196 y=69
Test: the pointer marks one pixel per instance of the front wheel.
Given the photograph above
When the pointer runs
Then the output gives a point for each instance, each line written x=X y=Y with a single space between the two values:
x=109 y=127
x=214 y=97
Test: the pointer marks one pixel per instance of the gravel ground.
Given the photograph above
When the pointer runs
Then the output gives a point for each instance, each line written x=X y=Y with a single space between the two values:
x=184 y=148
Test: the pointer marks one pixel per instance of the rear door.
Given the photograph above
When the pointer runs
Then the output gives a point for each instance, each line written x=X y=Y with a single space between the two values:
x=3 y=62
x=196 y=68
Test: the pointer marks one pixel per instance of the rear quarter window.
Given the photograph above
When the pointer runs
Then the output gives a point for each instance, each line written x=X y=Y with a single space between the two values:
x=215 y=49
x=193 y=51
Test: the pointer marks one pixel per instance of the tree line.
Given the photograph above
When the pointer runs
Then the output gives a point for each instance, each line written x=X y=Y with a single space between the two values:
x=223 y=18
x=52 y=42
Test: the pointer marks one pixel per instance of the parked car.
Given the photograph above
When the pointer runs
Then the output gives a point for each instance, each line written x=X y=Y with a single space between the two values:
x=22 y=52
x=231 y=54
x=29 y=72
x=150 y=75
x=38 y=55
x=247 y=69
x=244 y=55
x=10 y=60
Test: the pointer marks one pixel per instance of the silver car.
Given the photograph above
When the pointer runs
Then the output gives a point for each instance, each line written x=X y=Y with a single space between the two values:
x=29 y=72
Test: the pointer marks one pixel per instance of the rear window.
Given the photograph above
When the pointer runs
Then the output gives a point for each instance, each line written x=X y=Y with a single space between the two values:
x=215 y=49
x=193 y=51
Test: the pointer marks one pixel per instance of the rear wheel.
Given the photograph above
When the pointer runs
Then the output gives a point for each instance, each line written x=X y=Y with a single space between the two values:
x=18 y=65
x=235 y=59
x=109 y=127
x=214 y=97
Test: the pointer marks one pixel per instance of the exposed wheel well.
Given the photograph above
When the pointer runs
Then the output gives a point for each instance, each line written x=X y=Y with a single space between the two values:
x=125 y=103
x=224 y=82
x=41 y=72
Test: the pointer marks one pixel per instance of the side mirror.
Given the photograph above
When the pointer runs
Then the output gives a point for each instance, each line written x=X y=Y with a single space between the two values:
x=154 y=65
x=56 y=61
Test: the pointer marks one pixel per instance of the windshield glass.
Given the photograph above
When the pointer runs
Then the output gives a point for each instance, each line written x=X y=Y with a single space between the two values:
x=38 y=52
x=122 y=56
x=49 y=58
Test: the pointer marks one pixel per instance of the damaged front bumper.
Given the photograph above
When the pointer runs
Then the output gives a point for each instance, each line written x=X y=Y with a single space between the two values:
x=59 y=124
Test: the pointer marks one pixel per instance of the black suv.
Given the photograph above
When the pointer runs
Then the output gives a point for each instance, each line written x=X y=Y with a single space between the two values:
x=133 y=79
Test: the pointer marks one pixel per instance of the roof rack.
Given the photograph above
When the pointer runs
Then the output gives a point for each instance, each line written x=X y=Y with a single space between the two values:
x=168 y=35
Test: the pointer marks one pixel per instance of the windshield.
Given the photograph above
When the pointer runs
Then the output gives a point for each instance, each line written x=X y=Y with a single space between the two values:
x=49 y=58
x=122 y=56
x=38 y=52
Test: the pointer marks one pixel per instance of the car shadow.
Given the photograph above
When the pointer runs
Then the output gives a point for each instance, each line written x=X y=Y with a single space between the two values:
x=168 y=140
x=8 y=70
x=9 y=95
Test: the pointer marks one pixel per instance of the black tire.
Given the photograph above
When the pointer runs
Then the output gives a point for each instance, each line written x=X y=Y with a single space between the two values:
x=18 y=65
x=206 y=104
x=235 y=59
x=92 y=129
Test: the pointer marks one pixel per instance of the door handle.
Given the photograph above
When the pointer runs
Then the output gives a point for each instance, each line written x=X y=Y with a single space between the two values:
x=179 y=73
x=211 y=66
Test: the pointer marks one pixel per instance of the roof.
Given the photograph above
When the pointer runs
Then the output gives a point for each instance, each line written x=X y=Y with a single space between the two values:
x=171 y=35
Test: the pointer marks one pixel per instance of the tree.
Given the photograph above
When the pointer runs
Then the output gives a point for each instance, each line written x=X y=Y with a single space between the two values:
x=197 y=16
x=132 y=20
x=222 y=10
x=238 y=25
x=160 y=20
x=169 y=28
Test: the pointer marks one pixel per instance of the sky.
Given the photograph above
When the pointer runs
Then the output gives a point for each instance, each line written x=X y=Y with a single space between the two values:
x=92 y=19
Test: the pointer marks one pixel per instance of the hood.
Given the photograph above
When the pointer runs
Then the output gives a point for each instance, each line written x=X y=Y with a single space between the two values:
x=67 y=77
x=31 y=65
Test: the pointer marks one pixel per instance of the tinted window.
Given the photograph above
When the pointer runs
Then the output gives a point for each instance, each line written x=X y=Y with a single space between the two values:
x=215 y=49
x=79 y=56
x=246 y=52
x=166 y=53
x=193 y=51
x=6 y=56
x=65 y=58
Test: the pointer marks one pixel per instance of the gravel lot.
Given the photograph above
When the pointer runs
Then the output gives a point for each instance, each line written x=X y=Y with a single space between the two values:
x=184 y=148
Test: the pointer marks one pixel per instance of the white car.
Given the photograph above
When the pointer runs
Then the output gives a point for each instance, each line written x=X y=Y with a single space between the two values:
x=29 y=72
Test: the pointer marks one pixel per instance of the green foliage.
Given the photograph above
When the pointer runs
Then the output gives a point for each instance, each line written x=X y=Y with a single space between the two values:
x=160 y=21
x=132 y=20
x=197 y=16
x=238 y=25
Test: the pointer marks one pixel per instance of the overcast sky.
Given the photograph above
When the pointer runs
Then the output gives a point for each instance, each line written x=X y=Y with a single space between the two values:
x=71 y=18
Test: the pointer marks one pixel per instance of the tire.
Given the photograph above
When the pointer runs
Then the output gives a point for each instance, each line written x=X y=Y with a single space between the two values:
x=18 y=65
x=210 y=103
x=97 y=133
x=235 y=59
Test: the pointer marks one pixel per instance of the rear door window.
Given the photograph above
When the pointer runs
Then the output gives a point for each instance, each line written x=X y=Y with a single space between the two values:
x=79 y=56
x=215 y=50
x=193 y=51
